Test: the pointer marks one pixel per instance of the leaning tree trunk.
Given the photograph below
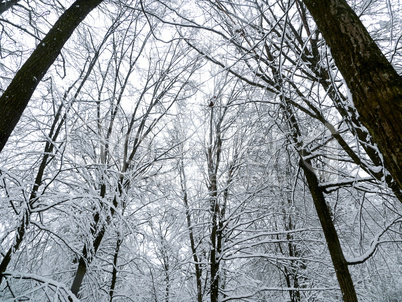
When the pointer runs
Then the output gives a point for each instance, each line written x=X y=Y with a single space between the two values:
x=16 y=97
x=375 y=85
x=331 y=236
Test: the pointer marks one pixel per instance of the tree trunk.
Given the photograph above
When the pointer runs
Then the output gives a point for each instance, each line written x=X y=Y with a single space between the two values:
x=98 y=232
x=213 y=161
x=7 y=4
x=375 y=85
x=331 y=236
x=58 y=122
x=198 y=270
x=115 y=271
x=18 y=239
x=16 y=97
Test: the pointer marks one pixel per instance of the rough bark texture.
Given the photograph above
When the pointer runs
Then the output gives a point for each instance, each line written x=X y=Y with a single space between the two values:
x=375 y=85
x=15 y=99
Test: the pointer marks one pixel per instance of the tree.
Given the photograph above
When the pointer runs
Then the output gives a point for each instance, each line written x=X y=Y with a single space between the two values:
x=236 y=170
x=16 y=97
x=271 y=52
x=7 y=4
x=374 y=84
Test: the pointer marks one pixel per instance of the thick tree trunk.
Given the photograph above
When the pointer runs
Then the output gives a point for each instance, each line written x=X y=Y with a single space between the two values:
x=375 y=85
x=7 y=4
x=16 y=97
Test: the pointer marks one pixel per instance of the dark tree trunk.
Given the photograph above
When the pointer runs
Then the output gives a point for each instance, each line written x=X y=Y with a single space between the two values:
x=375 y=85
x=215 y=241
x=26 y=216
x=85 y=260
x=198 y=270
x=18 y=239
x=213 y=161
x=80 y=273
x=331 y=236
x=98 y=232
x=115 y=271
x=16 y=97
x=6 y=4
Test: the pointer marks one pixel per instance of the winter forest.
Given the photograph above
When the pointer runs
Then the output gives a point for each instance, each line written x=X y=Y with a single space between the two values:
x=199 y=150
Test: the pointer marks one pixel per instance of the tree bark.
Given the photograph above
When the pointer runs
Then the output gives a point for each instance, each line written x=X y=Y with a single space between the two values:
x=5 y=5
x=16 y=97
x=115 y=271
x=331 y=236
x=198 y=270
x=98 y=232
x=213 y=162
x=375 y=85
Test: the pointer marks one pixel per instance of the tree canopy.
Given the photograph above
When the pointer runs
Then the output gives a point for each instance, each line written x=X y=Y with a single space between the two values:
x=200 y=150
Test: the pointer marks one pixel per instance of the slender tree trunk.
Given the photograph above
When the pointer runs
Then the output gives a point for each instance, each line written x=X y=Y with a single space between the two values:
x=114 y=272
x=16 y=97
x=331 y=236
x=292 y=275
x=213 y=161
x=167 y=279
x=53 y=134
x=330 y=233
x=198 y=271
x=80 y=273
x=214 y=207
x=18 y=239
x=85 y=260
x=98 y=232
x=375 y=85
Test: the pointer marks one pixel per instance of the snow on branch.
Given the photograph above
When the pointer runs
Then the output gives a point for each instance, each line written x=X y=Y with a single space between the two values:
x=373 y=245
x=59 y=288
